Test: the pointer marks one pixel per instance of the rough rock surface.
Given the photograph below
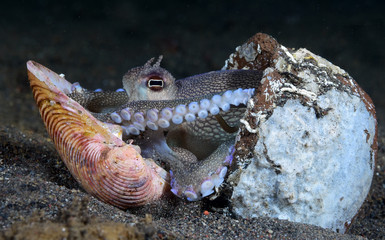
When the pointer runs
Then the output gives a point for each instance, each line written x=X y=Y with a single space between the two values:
x=307 y=148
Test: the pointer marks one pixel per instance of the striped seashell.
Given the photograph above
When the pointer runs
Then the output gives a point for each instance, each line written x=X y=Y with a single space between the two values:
x=93 y=151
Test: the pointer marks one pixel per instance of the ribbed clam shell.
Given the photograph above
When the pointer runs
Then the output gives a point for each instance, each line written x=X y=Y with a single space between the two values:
x=101 y=162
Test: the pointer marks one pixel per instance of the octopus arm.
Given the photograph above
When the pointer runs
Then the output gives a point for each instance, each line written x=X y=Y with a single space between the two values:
x=217 y=81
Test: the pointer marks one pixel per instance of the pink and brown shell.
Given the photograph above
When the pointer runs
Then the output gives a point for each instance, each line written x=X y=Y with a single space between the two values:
x=94 y=152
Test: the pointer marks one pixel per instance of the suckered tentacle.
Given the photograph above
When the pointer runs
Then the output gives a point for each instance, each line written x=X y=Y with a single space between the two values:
x=136 y=117
x=198 y=180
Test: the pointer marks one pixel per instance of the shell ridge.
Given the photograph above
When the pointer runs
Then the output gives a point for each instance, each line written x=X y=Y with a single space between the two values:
x=103 y=164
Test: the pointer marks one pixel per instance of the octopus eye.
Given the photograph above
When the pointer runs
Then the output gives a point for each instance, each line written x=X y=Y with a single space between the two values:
x=155 y=83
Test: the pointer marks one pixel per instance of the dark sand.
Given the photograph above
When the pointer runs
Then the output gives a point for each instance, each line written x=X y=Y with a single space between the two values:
x=95 y=43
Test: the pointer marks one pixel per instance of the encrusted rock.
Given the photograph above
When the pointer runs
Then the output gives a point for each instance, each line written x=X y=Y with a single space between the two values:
x=307 y=147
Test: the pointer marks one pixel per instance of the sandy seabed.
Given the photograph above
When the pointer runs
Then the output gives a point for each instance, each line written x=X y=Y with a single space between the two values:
x=97 y=45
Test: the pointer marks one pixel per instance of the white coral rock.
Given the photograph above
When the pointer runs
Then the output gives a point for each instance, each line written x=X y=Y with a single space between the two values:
x=315 y=145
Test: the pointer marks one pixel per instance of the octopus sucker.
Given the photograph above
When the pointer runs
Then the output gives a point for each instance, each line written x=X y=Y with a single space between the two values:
x=168 y=120
x=90 y=151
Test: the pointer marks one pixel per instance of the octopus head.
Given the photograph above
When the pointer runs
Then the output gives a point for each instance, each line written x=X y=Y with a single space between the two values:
x=149 y=82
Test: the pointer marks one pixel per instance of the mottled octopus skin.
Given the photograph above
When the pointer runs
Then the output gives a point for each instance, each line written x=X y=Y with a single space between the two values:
x=102 y=163
x=179 y=145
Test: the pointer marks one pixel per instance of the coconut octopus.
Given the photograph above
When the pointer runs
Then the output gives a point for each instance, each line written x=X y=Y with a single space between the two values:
x=187 y=126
